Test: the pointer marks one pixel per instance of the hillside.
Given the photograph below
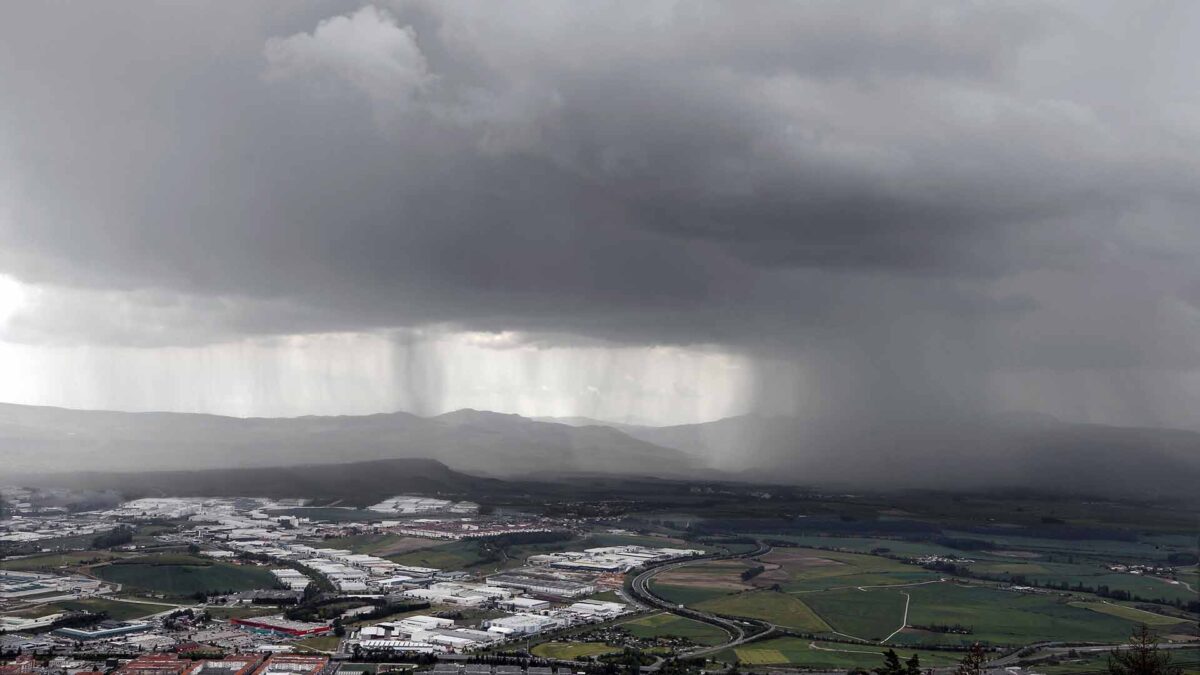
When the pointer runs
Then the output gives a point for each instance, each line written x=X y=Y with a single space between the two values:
x=36 y=439
x=1014 y=451
x=366 y=482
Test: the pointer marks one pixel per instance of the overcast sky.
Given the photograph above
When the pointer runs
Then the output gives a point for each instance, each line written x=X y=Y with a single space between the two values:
x=649 y=211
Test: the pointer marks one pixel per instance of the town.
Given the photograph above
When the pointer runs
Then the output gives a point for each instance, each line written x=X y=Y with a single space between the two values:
x=315 y=604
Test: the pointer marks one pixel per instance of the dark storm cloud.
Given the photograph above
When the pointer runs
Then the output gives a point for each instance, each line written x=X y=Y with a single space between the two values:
x=877 y=190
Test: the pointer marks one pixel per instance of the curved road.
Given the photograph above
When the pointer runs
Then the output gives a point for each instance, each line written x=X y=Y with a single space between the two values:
x=640 y=587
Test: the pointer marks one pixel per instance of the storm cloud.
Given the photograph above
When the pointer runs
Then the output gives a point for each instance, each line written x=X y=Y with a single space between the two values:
x=922 y=208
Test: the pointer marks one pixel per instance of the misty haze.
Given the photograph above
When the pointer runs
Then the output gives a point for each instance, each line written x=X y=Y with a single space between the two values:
x=599 y=338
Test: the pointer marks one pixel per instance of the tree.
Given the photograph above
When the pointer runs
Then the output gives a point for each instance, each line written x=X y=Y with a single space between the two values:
x=891 y=664
x=1141 y=656
x=913 y=665
x=973 y=663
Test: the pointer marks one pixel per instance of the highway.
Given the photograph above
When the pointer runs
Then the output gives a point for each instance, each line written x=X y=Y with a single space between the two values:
x=641 y=590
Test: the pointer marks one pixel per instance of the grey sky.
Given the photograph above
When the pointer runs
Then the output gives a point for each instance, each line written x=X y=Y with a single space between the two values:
x=925 y=208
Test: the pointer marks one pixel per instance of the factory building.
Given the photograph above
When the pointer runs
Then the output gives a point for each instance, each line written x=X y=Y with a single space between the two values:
x=279 y=626
x=538 y=585
x=103 y=630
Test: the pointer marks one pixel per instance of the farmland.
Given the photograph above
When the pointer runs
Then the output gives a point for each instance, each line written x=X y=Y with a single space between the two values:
x=825 y=655
x=781 y=609
x=571 y=651
x=181 y=576
x=114 y=608
x=854 y=596
x=670 y=625
x=1005 y=617
x=1129 y=613
x=869 y=615
x=802 y=569
x=378 y=544
x=450 y=556
x=1096 y=663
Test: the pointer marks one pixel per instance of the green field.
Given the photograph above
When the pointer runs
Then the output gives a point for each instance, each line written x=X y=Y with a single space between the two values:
x=1010 y=568
x=867 y=615
x=240 y=611
x=182 y=576
x=321 y=643
x=571 y=651
x=454 y=555
x=115 y=609
x=1129 y=613
x=685 y=595
x=596 y=539
x=670 y=625
x=53 y=561
x=1005 y=617
x=807 y=569
x=1097 y=664
x=868 y=544
x=377 y=544
x=826 y=655
x=781 y=609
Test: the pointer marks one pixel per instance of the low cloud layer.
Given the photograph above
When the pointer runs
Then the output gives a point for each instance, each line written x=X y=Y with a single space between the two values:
x=931 y=208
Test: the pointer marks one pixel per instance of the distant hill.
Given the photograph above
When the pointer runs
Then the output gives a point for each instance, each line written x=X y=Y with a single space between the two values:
x=36 y=438
x=367 y=482
x=1034 y=451
x=577 y=421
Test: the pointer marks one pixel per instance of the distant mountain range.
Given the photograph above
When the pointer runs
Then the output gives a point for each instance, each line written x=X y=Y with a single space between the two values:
x=1020 y=450
x=40 y=439
x=1031 y=451
x=360 y=483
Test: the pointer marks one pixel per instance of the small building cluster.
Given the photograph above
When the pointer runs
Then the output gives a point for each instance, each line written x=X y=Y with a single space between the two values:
x=611 y=558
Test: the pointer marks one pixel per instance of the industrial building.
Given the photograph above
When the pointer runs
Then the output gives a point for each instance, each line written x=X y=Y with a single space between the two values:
x=103 y=630
x=543 y=585
x=522 y=624
x=279 y=626
x=611 y=558
x=155 y=664
x=292 y=664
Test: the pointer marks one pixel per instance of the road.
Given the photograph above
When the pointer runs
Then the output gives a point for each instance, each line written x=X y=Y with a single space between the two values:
x=641 y=590
x=904 y=621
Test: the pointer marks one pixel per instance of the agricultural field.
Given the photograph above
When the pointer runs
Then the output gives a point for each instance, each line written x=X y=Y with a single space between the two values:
x=115 y=609
x=54 y=561
x=1150 y=549
x=685 y=595
x=571 y=651
x=321 y=643
x=595 y=539
x=1090 y=575
x=781 y=609
x=240 y=611
x=806 y=569
x=722 y=575
x=1005 y=617
x=182 y=576
x=896 y=547
x=1096 y=663
x=1129 y=613
x=804 y=653
x=670 y=625
x=860 y=596
x=382 y=545
x=449 y=556
x=870 y=615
